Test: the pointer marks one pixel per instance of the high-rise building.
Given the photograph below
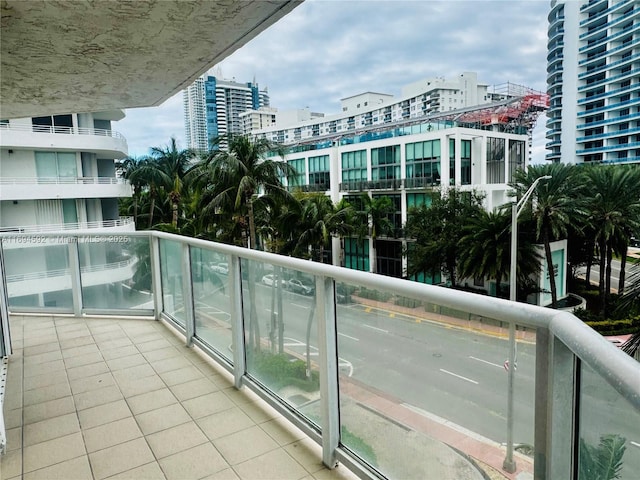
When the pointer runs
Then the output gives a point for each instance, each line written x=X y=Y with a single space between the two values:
x=593 y=81
x=212 y=108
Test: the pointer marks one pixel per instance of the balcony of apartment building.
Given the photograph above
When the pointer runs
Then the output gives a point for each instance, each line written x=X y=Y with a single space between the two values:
x=184 y=369
x=106 y=143
x=67 y=187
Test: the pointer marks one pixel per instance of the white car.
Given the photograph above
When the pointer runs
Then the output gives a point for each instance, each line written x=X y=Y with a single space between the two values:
x=222 y=268
x=270 y=280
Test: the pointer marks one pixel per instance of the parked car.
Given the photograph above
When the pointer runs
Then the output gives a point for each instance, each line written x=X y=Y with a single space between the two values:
x=634 y=242
x=270 y=280
x=222 y=268
x=297 y=286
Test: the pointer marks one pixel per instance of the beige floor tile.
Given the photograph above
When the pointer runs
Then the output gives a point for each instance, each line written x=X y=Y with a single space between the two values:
x=112 y=343
x=169 y=364
x=71 y=334
x=76 y=469
x=207 y=404
x=49 y=429
x=154 y=342
x=307 y=453
x=103 y=336
x=30 y=341
x=162 y=418
x=194 y=388
x=120 y=352
x=53 y=451
x=38 y=349
x=225 y=423
x=242 y=396
x=87 y=370
x=134 y=373
x=162 y=354
x=129 y=361
x=150 y=471
x=76 y=342
x=245 y=444
x=110 y=434
x=14 y=439
x=11 y=464
x=45 y=380
x=13 y=397
x=129 y=455
x=275 y=464
x=45 y=410
x=181 y=465
x=176 y=439
x=101 y=414
x=132 y=387
x=80 y=385
x=81 y=360
x=181 y=375
x=259 y=411
x=43 y=368
x=226 y=474
x=81 y=350
x=335 y=474
x=283 y=431
x=13 y=418
x=45 y=394
x=54 y=354
x=97 y=397
x=151 y=401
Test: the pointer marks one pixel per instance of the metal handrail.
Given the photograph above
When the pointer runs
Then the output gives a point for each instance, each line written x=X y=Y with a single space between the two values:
x=61 y=180
x=56 y=227
x=57 y=129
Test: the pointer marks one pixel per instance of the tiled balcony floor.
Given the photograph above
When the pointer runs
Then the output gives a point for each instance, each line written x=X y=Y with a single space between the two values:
x=96 y=398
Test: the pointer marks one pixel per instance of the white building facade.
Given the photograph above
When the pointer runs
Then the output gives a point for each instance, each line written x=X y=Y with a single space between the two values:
x=58 y=173
x=593 y=80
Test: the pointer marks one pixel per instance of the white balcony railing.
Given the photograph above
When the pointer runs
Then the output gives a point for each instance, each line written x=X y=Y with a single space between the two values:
x=62 y=181
x=57 y=227
x=63 y=130
x=384 y=362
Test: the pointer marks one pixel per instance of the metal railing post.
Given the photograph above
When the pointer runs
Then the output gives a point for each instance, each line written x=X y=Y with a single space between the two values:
x=76 y=282
x=541 y=404
x=187 y=294
x=328 y=362
x=156 y=277
x=5 y=332
x=237 y=321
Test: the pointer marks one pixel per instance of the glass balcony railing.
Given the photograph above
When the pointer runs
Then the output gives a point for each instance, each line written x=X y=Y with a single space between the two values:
x=392 y=378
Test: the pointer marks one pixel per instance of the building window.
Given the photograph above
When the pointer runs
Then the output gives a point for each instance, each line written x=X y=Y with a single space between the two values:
x=356 y=254
x=54 y=124
x=495 y=160
x=385 y=163
x=415 y=200
x=423 y=163
x=452 y=161
x=389 y=258
x=56 y=164
x=354 y=166
x=319 y=171
x=516 y=157
x=395 y=217
x=299 y=178
x=465 y=162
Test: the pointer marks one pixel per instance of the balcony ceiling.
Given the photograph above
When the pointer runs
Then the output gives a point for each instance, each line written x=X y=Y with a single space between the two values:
x=87 y=56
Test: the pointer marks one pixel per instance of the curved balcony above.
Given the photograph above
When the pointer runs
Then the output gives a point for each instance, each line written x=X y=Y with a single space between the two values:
x=34 y=188
x=106 y=143
x=124 y=224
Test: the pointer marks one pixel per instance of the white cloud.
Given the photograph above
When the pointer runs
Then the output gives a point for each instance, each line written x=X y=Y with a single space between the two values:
x=327 y=50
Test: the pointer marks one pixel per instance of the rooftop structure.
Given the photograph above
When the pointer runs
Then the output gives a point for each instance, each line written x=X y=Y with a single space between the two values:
x=593 y=62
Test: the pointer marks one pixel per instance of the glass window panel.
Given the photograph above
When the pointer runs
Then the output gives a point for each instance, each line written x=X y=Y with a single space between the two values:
x=281 y=333
x=67 y=166
x=436 y=148
x=608 y=424
x=171 y=277
x=419 y=149
x=38 y=273
x=46 y=166
x=115 y=275
x=410 y=151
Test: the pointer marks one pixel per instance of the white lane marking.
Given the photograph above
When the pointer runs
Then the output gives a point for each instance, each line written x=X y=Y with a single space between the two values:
x=459 y=376
x=635 y=444
x=299 y=306
x=484 y=361
x=375 y=328
x=347 y=336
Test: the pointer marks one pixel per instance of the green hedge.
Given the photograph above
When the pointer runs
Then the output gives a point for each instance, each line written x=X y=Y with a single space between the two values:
x=616 y=327
x=374 y=294
x=277 y=371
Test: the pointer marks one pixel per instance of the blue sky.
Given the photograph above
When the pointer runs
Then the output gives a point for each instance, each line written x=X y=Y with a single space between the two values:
x=325 y=50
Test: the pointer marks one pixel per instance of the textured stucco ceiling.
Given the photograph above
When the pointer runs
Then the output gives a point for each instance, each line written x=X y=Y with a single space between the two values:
x=78 y=55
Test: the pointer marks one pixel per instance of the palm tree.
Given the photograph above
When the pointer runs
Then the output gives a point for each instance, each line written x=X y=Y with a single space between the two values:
x=485 y=249
x=172 y=164
x=130 y=170
x=373 y=221
x=555 y=208
x=614 y=212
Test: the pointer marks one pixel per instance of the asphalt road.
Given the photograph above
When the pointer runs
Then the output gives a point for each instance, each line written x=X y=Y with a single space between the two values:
x=456 y=374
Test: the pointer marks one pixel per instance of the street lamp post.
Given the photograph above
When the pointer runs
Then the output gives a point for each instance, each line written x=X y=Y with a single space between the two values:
x=509 y=463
